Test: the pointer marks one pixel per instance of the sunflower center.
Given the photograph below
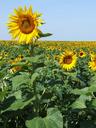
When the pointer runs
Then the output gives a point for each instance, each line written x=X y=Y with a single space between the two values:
x=67 y=60
x=81 y=53
x=26 y=24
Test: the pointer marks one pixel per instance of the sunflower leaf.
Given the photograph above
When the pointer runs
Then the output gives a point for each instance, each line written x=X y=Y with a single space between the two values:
x=53 y=119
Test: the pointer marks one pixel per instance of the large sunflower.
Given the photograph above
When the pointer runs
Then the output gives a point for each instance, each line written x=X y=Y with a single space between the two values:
x=92 y=63
x=68 y=60
x=24 y=24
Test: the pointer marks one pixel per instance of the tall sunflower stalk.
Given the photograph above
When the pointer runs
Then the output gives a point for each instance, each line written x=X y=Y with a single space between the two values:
x=24 y=26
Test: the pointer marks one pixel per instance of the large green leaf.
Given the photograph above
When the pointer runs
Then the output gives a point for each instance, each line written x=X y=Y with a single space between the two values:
x=84 y=91
x=3 y=71
x=80 y=91
x=19 y=80
x=92 y=83
x=2 y=95
x=94 y=103
x=37 y=122
x=53 y=119
x=18 y=104
x=35 y=59
x=80 y=103
x=92 y=88
x=17 y=94
x=34 y=77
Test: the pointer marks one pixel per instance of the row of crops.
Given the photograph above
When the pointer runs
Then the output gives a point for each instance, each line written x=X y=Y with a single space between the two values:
x=44 y=85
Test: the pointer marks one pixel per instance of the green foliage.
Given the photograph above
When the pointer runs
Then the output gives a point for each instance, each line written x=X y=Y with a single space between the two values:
x=53 y=119
x=43 y=95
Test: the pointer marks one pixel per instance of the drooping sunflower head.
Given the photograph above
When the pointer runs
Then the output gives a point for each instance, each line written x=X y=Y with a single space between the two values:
x=24 y=24
x=68 y=60
x=82 y=54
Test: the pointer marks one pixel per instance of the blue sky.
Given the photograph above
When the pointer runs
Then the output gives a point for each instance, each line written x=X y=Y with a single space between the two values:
x=66 y=19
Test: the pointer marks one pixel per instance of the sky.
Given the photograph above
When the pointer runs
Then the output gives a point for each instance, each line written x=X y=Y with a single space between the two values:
x=67 y=20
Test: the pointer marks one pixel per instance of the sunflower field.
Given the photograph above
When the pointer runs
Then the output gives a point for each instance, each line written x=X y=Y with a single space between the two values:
x=45 y=84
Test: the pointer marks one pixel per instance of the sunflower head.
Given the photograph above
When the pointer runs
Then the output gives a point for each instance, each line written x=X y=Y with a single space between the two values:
x=24 y=24
x=92 y=63
x=3 y=55
x=68 y=60
x=92 y=55
x=82 y=54
x=15 y=61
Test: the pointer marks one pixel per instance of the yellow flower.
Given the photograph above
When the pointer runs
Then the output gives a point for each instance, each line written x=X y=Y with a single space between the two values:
x=24 y=25
x=15 y=61
x=3 y=55
x=68 y=60
x=82 y=54
x=92 y=54
x=92 y=63
x=56 y=57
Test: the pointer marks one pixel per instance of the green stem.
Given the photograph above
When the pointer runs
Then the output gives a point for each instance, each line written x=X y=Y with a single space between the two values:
x=5 y=123
x=31 y=48
x=36 y=102
x=36 y=105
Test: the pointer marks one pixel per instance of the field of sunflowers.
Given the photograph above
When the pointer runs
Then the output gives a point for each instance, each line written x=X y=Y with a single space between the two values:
x=45 y=84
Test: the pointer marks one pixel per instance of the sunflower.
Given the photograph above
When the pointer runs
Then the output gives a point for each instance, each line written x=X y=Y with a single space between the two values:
x=15 y=61
x=3 y=55
x=68 y=60
x=24 y=24
x=92 y=63
x=82 y=54
x=92 y=55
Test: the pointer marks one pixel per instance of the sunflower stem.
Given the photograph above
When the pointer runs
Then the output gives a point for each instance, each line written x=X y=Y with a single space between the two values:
x=36 y=104
x=31 y=49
